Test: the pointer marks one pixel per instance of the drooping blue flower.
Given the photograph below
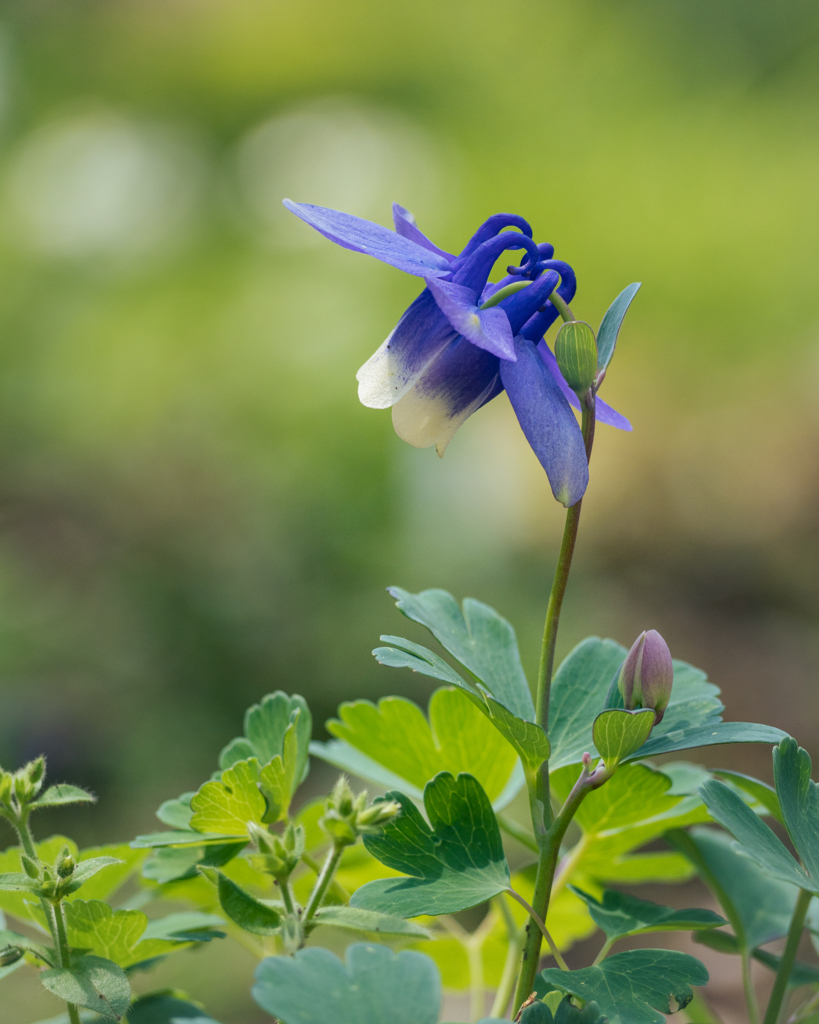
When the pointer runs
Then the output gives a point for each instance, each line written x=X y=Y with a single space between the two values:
x=451 y=353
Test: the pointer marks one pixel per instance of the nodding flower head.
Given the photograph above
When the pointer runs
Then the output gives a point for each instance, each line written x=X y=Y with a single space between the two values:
x=464 y=340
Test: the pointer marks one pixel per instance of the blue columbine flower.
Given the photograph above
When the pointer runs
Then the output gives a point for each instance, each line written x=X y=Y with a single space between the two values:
x=454 y=349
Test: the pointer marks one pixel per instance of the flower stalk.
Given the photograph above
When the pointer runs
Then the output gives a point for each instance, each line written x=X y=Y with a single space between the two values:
x=788 y=957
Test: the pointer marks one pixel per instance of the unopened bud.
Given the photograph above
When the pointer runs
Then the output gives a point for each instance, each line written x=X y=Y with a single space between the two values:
x=376 y=816
x=342 y=798
x=6 y=785
x=29 y=866
x=647 y=675
x=281 y=853
x=576 y=354
x=66 y=864
x=10 y=956
x=36 y=774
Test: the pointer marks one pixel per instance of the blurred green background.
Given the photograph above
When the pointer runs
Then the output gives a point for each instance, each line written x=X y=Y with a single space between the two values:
x=194 y=509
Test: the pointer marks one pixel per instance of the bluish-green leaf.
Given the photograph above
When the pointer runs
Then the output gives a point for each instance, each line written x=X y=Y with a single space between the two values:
x=243 y=909
x=611 y=323
x=177 y=813
x=754 y=838
x=455 y=864
x=639 y=986
x=165 y=1008
x=618 y=733
x=528 y=739
x=93 y=982
x=799 y=800
x=480 y=639
x=620 y=914
x=374 y=986
x=761 y=792
x=758 y=907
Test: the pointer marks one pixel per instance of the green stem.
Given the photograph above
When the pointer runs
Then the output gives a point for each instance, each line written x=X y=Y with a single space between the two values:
x=562 y=306
x=504 y=293
x=748 y=988
x=788 y=957
x=336 y=887
x=64 y=957
x=603 y=952
x=544 y=931
x=324 y=879
x=287 y=896
x=510 y=967
x=546 y=872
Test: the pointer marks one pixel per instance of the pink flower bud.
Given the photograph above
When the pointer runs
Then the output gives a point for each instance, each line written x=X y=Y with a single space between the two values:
x=647 y=675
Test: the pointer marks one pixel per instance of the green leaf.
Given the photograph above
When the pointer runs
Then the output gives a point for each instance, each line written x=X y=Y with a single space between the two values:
x=16 y=881
x=92 y=982
x=224 y=807
x=647 y=867
x=456 y=864
x=117 y=935
x=585 y=683
x=164 y=1008
x=375 y=985
x=265 y=726
x=633 y=808
x=457 y=738
x=356 y=919
x=11 y=940
x=799 y=800
x=177 y=813
x=761 y=792
x=631 y=987
x=185 y=926
x=169 y=864
x=754 y=838
x=528 y=739
x=480 y=639
x=566 y=1013
x=180 y=838
x=723 y=942
x=243 y=909
x=57 y=796
x=618 y=733
x=620 y=914
x=758 y=907
x=611 y=323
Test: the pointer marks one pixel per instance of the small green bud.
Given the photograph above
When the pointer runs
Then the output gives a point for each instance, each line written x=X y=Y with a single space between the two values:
x=66 y=864
x=36 y=774
x=347 y=816
x=376 y=816
x=6 y=786
x=576 y=354
x=30 y=867
x=48 y=888
x=647 y=675
x=10 y=956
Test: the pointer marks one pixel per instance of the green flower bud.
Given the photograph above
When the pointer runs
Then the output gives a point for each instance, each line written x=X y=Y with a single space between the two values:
x=281 y=853
x=376 y=816
x=347 y=816
x=10 y=956
x=6 y=786
x=576 y=354
x=65 y=864
x=647 y=675
x=36 y=774
x=30 y=867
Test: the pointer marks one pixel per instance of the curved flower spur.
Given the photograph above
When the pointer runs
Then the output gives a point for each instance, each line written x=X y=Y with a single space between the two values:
x=464 y=340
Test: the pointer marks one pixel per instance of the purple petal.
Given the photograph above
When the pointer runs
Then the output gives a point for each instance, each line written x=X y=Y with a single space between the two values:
x=603 y=412
x=547 y=421
x=457 y=383
x=493 y=226
x=365 y=236
x=405 y=225
x=487 y=328
x=422 y=333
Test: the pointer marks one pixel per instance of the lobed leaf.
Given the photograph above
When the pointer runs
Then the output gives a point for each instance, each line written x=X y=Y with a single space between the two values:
x=479 y=638
x=755 y=839
x=799 y=801
x=639 y=986
x=618 y=733
x=457 y=738
x=373 y=986
x=620 y=914
x=528 y=739
x=265 y=728
x=758 y=907
x=117 y=935
x=224 y=807
x=455 y=864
